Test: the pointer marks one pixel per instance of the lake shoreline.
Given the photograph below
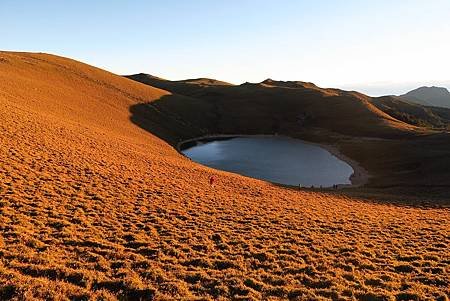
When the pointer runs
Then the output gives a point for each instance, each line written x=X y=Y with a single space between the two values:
x=359 y=177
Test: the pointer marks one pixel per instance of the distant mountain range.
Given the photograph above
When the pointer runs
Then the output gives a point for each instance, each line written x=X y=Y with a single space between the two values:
x=429 y=96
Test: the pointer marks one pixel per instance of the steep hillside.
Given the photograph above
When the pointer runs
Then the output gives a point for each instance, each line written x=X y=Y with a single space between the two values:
x=415 y=114
x=94 y=207
x=429 y=96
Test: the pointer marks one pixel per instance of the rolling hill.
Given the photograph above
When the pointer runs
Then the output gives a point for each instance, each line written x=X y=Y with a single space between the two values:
x=412 y=113
x=95 y=205
x=396 y=153
x=272 y=106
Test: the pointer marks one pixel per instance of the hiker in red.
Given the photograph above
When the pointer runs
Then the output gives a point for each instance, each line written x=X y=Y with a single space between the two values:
x=211 y=180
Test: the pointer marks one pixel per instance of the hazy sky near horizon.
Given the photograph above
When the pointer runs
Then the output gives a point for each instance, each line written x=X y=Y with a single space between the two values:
x=377 y=47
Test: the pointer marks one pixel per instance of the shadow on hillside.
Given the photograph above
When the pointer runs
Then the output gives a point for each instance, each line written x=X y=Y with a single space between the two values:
x=412 y=196
x=422 y=172
x=172 y=118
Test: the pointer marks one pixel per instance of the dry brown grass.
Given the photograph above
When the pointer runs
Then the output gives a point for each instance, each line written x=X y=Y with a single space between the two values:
x=93 y=207
x=397 y=156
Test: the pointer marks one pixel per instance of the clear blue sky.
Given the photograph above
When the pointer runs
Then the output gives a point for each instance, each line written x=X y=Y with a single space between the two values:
x=375 y=46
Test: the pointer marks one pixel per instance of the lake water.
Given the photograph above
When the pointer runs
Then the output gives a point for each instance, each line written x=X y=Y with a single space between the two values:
x=276 y=159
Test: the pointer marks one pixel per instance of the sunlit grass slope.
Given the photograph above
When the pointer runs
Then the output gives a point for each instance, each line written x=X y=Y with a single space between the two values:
x=92 y=205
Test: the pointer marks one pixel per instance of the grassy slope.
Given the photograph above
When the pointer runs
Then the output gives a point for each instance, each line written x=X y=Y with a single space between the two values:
x=93 y=205
x=273 y=106
x=419 y=115
x=395 y=153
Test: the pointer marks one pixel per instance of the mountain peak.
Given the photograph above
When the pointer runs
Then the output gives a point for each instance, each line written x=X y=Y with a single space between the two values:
x=430 y=96
x=144 y=75
x=267 y=81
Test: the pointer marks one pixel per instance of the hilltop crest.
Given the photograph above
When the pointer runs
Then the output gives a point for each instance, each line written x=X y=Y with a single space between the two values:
x=430 y=96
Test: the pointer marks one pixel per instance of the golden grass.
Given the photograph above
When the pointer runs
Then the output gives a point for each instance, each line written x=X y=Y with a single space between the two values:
x=93 y=207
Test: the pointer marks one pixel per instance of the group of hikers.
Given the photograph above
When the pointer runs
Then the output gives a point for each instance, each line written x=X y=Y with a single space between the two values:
x=335 y=186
